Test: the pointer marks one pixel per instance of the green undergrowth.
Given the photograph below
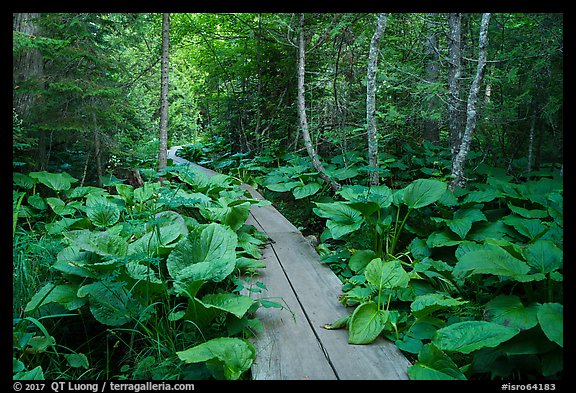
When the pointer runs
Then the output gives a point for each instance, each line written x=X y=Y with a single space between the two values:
x=468 y=284
x=134 y=283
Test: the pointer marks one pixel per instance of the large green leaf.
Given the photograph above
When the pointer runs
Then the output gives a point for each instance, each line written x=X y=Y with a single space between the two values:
x=234 y=354
x=35 y=374
x=544 y=256
x=366 y=323
x=306 y=190
x=463 y=220
x=77 y=360
x=528 y=213
x=142 y=273
x=64 y=294
x=229 y=302
x=163 y=231
x=55 y=181
x=360 y=259
x=532 y=229
x=423 y=192
x=482 y=196
x=60 y=207
x=342 y=219
x=283 y=187
x=37 y=202
x=490 y=259
x=208 y=253
x=60 y=226
x=111 y=303
x=380 y=195
x=83 y=191
x=22 y=180
x=551 y=319
x=102 y=213
x=442 y=239
x=101 y=243
x=508 y=310
x=389 y=274
x=430 y=302
x=146 y=192
x=232 y=215
x=433 y=364
x=73 y=260
x=469 y=336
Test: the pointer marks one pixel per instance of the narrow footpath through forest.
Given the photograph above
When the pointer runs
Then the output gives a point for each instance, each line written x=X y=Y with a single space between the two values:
x=294 y=345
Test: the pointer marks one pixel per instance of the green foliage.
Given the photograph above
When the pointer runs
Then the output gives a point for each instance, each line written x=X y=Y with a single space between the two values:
x=415 y=258
x=160 y=261
x=427 y=279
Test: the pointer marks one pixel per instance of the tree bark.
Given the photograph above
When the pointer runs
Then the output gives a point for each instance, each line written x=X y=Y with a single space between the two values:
x=471 y=110
x=28 y=75
x=454 y=73
x=372 y=131
x=163 y=136
x=97 y=150
x=302 y=111
x=431 y=127
x=531 y=139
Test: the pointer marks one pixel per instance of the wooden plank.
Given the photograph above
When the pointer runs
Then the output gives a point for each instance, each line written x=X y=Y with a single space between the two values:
x=293 y=343
x=318 y=289
x=286 y=333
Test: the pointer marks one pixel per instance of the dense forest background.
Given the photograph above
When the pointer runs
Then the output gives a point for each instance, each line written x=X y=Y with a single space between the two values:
x=87 y=92
x=420 y=153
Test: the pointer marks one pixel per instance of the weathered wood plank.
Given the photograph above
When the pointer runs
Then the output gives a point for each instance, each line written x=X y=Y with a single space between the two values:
x=293 y=343
x=287 y=347
x=318 y=289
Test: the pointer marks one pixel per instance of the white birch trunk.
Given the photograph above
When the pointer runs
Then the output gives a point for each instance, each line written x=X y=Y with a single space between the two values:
x=460 y=158
x=531 y=139
x=372 y=131
x=302 y=111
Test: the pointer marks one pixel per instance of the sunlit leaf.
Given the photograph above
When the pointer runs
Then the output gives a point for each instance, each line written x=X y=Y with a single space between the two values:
x=366 y=323
x=234 y=354
x=469 y=336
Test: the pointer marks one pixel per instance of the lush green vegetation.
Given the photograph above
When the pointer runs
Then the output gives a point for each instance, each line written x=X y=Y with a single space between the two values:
x=139 y=281
x=468 y=283
x=123 y=271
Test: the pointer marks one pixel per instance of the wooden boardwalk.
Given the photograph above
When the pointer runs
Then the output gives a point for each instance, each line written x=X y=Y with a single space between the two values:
x=293 y=344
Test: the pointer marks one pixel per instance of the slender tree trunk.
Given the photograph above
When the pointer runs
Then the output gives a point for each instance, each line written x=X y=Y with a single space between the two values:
x=302 y=111
x=531 y=139
x=459 y=160
x=97 y=150
x=431 y=128
x=372 y=131
x=163 y=137
x=454 y=72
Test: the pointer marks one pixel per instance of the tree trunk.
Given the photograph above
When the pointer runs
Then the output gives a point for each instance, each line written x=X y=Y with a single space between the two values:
x=431 y=127
x=372 y=131
x=531 y=139
x=454 y=72
x=460 y=158
x=163 y=137
x=97 y=150
x=28 y=75
x=302 y=111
